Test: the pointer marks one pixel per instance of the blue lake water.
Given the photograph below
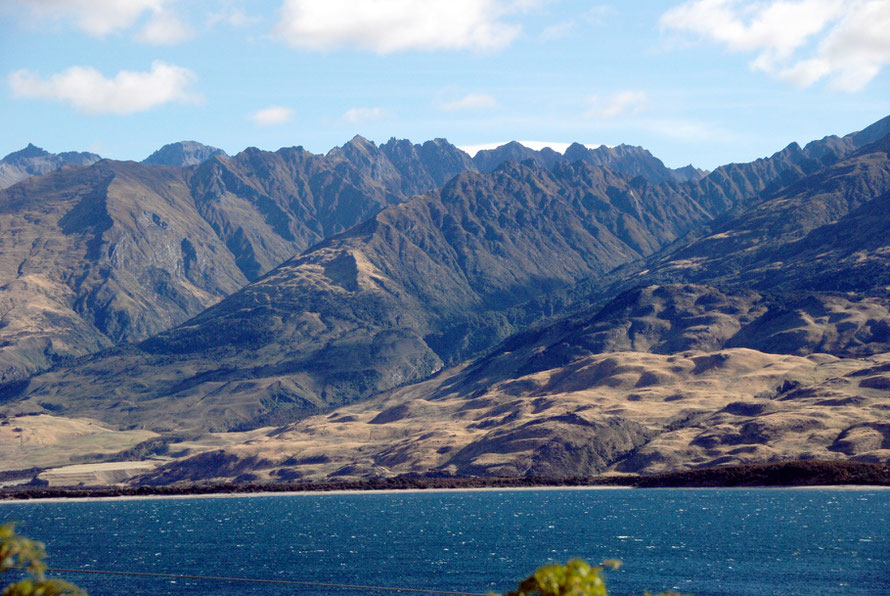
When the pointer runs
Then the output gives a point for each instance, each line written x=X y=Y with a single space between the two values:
x=734 y=541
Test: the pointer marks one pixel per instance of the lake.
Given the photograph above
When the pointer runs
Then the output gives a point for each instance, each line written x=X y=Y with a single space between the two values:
x=711 y=541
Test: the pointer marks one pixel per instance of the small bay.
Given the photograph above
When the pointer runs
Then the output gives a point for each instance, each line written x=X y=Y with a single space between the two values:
x=706 y=542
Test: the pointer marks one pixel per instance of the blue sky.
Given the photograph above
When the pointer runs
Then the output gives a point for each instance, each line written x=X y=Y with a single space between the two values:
x=700 y=81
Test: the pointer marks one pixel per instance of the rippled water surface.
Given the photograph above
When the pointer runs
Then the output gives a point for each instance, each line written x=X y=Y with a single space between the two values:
x=699 y=541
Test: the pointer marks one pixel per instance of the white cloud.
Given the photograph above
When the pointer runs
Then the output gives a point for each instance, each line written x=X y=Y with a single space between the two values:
x=87 y=90
x=99 y=18
x=164 y=28
x=621 y=103
x=358 y=115
x=472 y=101
x=386 y=26
x=801 y=41
x=273 y=115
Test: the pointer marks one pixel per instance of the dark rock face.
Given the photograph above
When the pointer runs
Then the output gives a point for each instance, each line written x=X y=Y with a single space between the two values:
x=212 y=464
x=182 y=154
x=34 y=161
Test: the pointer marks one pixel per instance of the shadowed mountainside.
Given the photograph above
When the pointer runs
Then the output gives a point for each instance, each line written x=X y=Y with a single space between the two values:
x=823 y=232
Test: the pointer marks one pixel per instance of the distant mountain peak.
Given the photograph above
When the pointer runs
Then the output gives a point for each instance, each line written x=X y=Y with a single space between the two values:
x=29 y=152
x=34 y=161
x=182 y=154
x=360 y=142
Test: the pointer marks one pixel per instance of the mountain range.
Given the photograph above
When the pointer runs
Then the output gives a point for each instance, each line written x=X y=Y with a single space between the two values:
x=405 y=308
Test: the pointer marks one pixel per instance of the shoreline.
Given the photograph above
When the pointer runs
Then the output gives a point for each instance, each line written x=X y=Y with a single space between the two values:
x=838 y=475
x=392 y=491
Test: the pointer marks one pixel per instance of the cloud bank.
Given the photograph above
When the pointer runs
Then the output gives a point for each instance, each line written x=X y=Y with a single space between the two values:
x=387 y=26
x=87 y=90
x=99 y=18
x=803 y=41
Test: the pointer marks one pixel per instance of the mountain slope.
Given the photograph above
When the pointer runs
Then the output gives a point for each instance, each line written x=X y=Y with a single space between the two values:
x=120 y=251
x=626 y=412
x=102 y=254
x=423 y=284
x=802 y=272
x=820 y=233
x=387 y=302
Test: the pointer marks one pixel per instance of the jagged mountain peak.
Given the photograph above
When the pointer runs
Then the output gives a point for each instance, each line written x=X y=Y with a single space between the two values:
x=575 y=152
x=394 y=142
x=439 y=142
x=28 y=152
x=360 y=142
x=358 y=149
x=628 y=160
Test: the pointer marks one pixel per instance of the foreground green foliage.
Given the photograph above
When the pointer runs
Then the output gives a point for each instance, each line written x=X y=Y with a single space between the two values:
x=20 y=553
x=575 y=578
